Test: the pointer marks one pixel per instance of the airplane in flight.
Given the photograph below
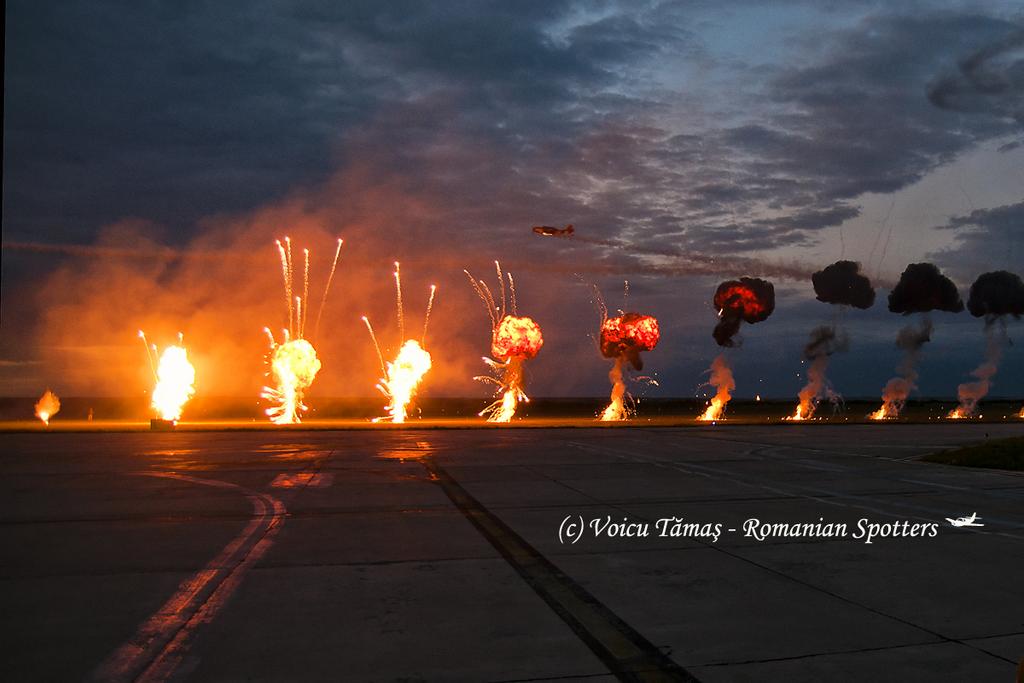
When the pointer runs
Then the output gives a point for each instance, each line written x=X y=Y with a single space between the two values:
x=965 y=521
x=548 y=231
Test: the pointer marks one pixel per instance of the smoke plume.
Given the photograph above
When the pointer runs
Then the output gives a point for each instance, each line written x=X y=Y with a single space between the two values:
x=748 y=299
x=824 y=341
x=993 y=296
x=840 y=284
x=724 y=384
x=910 y=340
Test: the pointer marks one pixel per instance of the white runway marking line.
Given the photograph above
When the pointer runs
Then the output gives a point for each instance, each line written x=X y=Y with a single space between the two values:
x=159 y=644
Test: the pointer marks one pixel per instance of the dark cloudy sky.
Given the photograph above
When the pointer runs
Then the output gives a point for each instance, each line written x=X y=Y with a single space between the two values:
x=687 y=141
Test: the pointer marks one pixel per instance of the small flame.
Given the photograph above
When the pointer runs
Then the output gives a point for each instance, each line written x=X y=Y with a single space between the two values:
x=175 y=382
x=722 y=380
x=509 y=378
x=47 y=406
x=616 y=410
x=804 y=411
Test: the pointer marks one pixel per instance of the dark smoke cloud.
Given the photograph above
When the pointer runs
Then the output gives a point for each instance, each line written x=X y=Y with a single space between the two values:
x=748 y=299
x=996 y=294
x=923 y=288
x=842 y=283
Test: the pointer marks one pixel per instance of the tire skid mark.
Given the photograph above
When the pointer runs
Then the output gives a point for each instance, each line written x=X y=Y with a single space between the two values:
x=160 y=643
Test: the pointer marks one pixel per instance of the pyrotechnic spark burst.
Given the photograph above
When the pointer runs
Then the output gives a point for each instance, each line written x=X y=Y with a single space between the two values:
x=294 y=363
x=47 y=406
x=175 y=378
x=722 y=380
x=514 y=339
x=403 y=375
x=622 y=339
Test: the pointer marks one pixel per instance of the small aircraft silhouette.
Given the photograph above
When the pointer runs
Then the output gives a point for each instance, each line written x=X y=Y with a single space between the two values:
x=548 y=231
x=965 y=521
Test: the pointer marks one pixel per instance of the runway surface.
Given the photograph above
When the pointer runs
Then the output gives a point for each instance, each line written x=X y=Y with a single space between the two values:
x=435 y=555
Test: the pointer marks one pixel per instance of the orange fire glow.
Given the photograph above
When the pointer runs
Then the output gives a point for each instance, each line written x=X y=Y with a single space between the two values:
x=628 y=332
x=293 y=366
x=894 y=398
x=623 y=338
x=739 y=298
x=175 y=379
x=514 y=339
x=722 y=380
x=47 y=406
x=402 y=376
x=293 y=363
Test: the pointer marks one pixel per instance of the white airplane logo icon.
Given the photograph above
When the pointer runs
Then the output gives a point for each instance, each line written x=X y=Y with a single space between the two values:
x=965 y=521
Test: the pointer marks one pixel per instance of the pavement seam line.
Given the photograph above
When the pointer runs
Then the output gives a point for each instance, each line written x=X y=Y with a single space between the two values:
x=627 y=654
x=716 y=474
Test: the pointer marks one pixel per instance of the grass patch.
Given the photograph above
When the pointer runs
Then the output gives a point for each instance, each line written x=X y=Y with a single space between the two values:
x=1003 y=454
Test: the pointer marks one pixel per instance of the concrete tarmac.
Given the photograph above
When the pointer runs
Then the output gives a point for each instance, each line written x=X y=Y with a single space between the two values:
x=384 y=555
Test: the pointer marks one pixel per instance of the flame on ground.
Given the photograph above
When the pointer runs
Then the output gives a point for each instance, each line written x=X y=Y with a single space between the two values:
x=722 y=380
x=894 y=398
x=623 y=338
x=969 y=394
x=294 y=363
x=509 y=378
x=514 y=339
x=812 y=390
x=47 y=406
x=403 y=375
x=897 y=390
x=402 y=378
x=293 y=366
x=175 y=379
x=616 y=408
